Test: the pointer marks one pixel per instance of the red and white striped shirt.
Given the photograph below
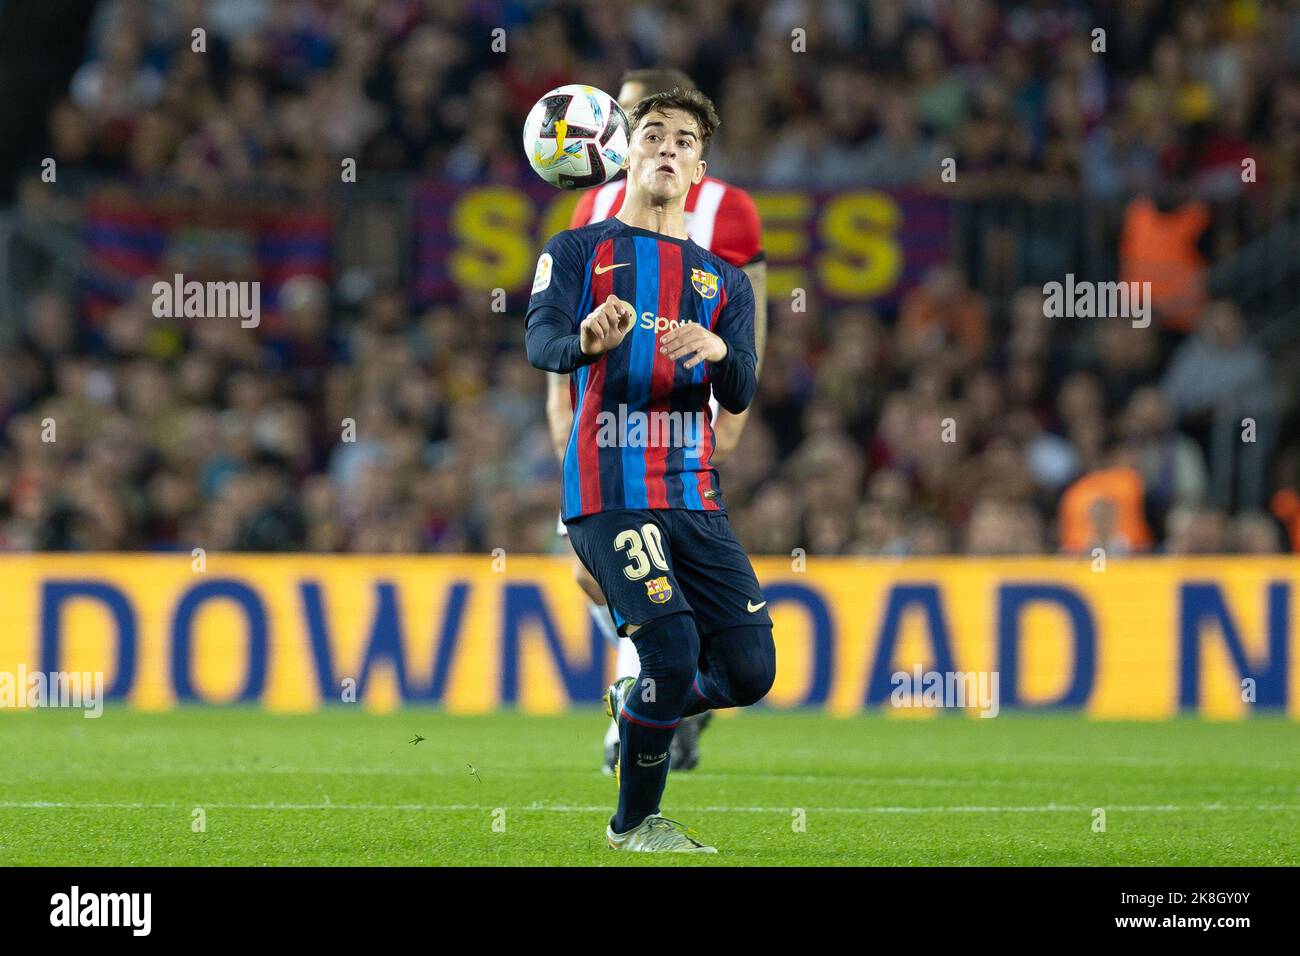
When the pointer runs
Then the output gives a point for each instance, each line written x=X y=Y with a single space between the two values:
x=720 y=217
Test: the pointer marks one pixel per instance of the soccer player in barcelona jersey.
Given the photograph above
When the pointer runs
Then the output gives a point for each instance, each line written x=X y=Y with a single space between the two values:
x=649 y=323
x=723 y=219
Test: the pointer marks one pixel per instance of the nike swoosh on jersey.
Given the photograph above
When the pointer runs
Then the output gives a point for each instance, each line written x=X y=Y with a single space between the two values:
x=752 y=607
x=601 y=270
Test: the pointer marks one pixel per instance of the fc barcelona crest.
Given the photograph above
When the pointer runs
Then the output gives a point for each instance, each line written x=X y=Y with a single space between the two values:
x=705 y=283
x=659 y=590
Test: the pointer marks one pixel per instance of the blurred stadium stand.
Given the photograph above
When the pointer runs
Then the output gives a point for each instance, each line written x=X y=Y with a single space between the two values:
x=1070 y=433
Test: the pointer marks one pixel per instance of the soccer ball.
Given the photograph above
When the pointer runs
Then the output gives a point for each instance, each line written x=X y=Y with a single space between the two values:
x=576 y=137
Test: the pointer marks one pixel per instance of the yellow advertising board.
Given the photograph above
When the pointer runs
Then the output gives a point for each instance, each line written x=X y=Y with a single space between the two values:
x=1144 y=638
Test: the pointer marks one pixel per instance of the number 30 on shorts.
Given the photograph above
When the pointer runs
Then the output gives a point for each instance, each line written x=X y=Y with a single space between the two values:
x=644 y=547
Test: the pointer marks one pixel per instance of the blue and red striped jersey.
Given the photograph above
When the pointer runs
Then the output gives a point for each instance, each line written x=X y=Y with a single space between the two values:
x=642 y=435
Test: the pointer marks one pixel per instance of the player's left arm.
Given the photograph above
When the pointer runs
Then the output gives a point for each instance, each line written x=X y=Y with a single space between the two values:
x=728 y=426
x=729 y=351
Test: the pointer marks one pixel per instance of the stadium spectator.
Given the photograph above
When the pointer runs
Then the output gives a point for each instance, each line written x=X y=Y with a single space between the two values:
x=1196 y=530
x=1218 y=370
x=1172 y=465
x=1256 y=532
x=942 y=312
x=1105 y=509
x=1159 y=245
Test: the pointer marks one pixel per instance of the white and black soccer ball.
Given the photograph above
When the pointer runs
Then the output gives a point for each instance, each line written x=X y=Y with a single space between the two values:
x=576 y=137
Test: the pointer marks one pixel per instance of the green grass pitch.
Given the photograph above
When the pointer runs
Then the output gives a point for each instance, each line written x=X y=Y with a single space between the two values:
x=346 y=787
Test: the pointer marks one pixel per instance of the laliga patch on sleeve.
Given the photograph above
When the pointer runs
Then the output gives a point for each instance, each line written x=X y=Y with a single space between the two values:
x=542 y=280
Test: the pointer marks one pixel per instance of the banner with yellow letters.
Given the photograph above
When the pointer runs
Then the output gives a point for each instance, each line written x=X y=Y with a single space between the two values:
x=846 y=247
x=1145 y=638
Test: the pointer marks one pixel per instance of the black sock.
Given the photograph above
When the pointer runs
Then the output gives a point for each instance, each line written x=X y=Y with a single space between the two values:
x=668 y=648
x=643 y=755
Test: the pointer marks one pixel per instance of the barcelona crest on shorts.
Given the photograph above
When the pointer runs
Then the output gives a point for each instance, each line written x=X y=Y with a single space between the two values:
x=705 y=283
x=658 y=590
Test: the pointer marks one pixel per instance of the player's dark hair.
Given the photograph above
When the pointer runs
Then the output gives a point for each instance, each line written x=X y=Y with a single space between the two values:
x=658 y=79
x=678 y=98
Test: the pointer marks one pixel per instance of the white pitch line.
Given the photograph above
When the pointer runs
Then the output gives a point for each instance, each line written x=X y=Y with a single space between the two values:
x=740 y=777
x=564 y=808
x=714 y=777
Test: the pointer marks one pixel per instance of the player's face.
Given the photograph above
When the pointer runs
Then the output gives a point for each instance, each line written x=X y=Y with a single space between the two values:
x=664 y=159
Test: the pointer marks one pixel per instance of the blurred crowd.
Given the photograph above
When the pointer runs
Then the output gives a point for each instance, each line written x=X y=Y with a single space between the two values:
x=427 y=433
x=1025 y=95
x=959 y=421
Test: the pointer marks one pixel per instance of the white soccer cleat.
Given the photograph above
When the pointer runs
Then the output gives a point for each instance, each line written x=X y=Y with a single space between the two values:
x=657 y=835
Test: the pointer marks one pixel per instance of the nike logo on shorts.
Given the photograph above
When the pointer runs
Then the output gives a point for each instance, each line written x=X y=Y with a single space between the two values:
x=751 y=607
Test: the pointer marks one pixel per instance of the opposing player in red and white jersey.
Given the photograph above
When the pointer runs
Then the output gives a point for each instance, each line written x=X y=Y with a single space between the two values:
x=723 y=219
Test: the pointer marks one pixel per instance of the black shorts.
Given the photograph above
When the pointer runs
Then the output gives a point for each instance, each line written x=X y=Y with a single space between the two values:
x=654 y=562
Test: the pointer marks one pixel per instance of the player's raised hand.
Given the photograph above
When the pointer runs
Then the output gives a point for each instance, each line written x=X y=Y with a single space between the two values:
x=693 y=339
x=604 y=329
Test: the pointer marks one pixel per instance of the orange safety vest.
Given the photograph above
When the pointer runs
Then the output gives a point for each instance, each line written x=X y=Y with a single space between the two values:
x=1286 y=508
x=1123 y=488
x=1160 y=248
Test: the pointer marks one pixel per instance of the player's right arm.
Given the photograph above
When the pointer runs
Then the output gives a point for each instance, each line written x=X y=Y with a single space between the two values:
x=553 y=342
x=559 y=406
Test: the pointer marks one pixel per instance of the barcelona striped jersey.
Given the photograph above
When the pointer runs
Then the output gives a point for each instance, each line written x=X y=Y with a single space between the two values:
x=642 y=435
